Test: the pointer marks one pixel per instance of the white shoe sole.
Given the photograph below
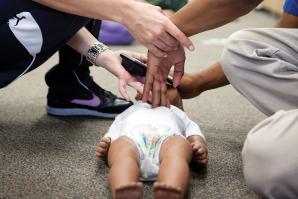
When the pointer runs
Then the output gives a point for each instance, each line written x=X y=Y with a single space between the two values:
x=78 y=112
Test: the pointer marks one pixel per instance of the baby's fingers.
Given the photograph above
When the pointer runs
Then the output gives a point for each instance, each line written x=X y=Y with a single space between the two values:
x=202 y=156
x=195 y=147
x=204 y=161
x=201 y=150
x=103 y=145
x=101 y=152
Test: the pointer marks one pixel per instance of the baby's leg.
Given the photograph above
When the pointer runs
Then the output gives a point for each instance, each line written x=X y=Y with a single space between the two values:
x=173 y=176
x=123 y=160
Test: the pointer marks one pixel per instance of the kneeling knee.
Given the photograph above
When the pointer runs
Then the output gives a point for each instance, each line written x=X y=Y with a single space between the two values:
x=238 y=49
x=266 y=173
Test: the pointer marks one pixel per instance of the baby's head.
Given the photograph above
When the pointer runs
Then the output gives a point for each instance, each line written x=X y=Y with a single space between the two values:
x=175 y=97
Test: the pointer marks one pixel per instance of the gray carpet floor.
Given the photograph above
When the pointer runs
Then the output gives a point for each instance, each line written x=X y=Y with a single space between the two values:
x=48 y=157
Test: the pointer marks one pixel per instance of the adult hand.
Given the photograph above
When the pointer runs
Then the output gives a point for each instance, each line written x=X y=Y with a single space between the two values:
x=111 y=61
x=157 y=72
x=154 y=30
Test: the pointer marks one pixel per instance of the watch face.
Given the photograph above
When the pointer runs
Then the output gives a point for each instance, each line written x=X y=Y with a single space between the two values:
x=94 y=51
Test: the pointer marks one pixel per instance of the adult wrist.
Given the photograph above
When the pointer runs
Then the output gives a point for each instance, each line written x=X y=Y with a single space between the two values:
x=94 y=51
x=108 y=61
x=103 y=58
x=127 y=13
x=123 y=12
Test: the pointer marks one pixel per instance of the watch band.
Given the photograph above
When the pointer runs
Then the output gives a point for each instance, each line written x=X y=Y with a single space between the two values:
x=94 y=51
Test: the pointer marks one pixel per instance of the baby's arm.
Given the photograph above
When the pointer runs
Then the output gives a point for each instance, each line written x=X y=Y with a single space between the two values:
x=113 y=133
x=193 y=134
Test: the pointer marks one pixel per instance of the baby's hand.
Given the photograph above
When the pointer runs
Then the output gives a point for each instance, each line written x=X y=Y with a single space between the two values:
x=199 y=148
x=103 y=147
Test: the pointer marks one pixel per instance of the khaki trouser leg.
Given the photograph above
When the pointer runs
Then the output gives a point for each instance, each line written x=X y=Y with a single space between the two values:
x=262 y=64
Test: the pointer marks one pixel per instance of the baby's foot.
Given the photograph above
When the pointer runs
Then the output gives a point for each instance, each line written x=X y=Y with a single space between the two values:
x=131 y=191
x=200 y=151
x=162 y=191
x=103 y=147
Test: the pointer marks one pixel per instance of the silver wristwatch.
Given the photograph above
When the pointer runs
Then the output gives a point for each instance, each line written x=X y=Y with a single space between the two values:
x=94 y=51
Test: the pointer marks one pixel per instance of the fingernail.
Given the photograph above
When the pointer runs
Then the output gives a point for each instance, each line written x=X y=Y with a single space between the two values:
x=191 y=48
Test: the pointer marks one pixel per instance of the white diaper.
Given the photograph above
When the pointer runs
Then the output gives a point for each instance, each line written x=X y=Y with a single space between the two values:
x=148 y=139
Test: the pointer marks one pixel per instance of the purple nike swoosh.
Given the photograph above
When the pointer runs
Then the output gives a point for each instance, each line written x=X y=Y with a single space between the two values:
x=94 y=102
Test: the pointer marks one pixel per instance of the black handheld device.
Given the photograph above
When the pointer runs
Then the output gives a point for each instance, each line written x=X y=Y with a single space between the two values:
x=133 y=65
x=136 y=67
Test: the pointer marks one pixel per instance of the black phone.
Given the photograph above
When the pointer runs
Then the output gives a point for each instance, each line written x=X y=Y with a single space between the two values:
x=136 y=67
x=133 y=65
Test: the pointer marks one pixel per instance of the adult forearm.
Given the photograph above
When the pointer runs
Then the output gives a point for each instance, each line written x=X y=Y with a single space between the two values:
x=95 y=9
x=201 y=15
x=212 y=77
x=146 y=22
x=287 y=21
x=82 y=41
x=193 y=85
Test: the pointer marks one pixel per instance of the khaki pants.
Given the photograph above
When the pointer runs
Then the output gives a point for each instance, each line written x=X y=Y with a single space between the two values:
x=262 y=64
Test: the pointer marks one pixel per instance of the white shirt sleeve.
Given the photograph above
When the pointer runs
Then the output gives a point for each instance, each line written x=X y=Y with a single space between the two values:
x=190 y=127
x=115 y=130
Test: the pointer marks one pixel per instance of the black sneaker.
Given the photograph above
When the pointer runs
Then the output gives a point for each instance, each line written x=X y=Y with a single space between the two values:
x=85 y=100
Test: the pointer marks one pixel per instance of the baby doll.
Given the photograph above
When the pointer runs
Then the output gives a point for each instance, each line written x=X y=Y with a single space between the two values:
x=151 y=145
